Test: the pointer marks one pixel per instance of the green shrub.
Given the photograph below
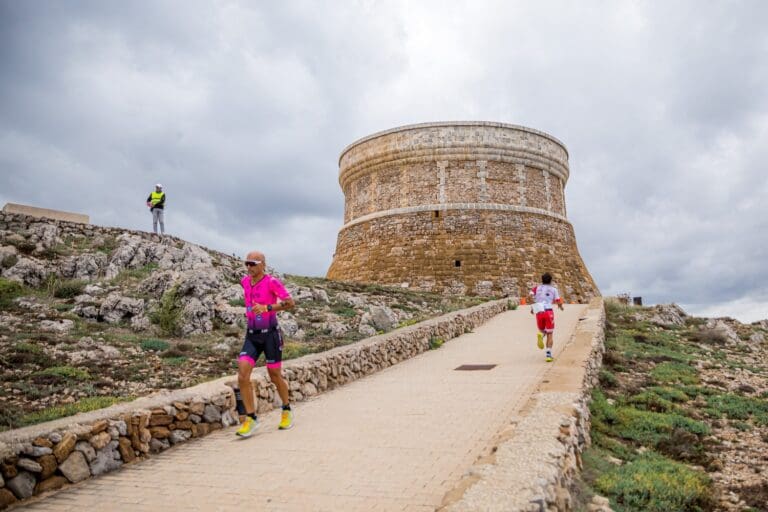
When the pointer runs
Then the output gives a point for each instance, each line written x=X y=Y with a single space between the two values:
x=344 y=310
x=675 y=373
x=68 y=288
x=168 y=314
x=9 y=290
x=736 y=407
x=292 y=350
x=65 y=372
x=131 y=274
x=237 y=302
x=154 y=345
x=435 y=343
x=406 y=323
x=175 y=360
x=656 y=484
x=650 y=428
x=607 y=379
x=650 y=401
x=60 y=411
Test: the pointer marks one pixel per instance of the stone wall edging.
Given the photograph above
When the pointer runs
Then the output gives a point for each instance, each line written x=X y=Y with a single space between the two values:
x=536 y=466
x=51 y=455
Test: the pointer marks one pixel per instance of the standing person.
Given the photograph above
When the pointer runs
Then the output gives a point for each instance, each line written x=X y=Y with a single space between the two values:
x=264 y=296
x=544 y=296
x=156 y=204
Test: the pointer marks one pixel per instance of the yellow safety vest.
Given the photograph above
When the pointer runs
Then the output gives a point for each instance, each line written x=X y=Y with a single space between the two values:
x=156 y=197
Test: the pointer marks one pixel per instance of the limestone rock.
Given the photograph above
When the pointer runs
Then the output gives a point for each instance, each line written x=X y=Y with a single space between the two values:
x=75 y=468
x=116 y=307
x=126 y=450
x=84 y=266
x=58 y=326
x=22 y=485
x=211 y=414
x=86 y=449
x=48 y=464
x=383 y=318
x=29 y=465
x=50 y=484
x=198 y=315
x=62 y=450
x=179 y=436
x=100 y=440
x=26 y=271
x=194 y=257
x=668 y=315
x=105 y=461
x=198 y=283
x=320 y=295
x=7 y=498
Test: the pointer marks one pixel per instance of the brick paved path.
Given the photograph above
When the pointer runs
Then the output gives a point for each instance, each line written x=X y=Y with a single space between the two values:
x=397 y=440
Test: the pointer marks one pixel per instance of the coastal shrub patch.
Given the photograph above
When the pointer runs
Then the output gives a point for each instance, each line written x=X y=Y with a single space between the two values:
x=654 y=483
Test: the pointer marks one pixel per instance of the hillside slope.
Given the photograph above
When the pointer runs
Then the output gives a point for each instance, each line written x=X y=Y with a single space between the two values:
x=92 y=315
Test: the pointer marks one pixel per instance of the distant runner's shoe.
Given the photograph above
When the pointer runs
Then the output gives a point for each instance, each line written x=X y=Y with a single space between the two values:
x=248 y=427
x=540 y=341
x=549 y=356
x=286 y=421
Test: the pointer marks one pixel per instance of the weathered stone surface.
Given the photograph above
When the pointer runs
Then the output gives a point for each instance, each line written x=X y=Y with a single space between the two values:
x=37 y=451
x=101 y=440
x=99 y=427
x=179 y=436
x=50 y=484
x=105 y=461
x=458 y=208
x=86 y=449
x=29 y=465
x=42 y=441
x=62 y=450
x=160 y=419
x=126 y=450
x=48 y=463
x=22 y=485
x=211 y=414
x=158 y=445
x=57 y=326
x=7 y=498
x=159 y=432
x=383 y=318
x=75 y=468
x=26 y=271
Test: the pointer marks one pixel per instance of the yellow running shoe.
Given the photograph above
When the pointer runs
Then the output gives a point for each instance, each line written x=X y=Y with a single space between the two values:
x=549 y=356
x=247 y=428
x=540 y=341
x=286 y=421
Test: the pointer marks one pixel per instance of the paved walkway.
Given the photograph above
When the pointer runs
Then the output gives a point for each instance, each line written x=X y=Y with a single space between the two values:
x=397 y=440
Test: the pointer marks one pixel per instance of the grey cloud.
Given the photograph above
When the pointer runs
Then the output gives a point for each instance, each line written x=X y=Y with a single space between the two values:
x=241 y=110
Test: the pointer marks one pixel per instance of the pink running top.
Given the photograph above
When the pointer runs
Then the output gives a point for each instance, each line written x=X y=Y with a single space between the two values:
x=267 y=291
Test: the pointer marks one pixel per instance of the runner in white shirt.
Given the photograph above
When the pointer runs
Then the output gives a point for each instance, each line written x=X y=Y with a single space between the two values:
x=544 y=298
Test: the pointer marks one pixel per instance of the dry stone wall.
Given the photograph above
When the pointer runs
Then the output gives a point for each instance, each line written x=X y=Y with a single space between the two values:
x=476 y=208
x=48 y=456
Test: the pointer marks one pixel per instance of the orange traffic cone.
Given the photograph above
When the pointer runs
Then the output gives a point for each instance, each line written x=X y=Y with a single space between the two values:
x=522 y=301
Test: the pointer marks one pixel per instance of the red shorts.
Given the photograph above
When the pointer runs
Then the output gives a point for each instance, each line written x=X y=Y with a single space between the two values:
x=546 y=321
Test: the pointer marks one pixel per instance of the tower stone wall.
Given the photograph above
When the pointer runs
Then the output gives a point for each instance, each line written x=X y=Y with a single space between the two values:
x=461 y=207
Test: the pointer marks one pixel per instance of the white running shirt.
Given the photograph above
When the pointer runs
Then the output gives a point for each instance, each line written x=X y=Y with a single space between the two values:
x=545 y=294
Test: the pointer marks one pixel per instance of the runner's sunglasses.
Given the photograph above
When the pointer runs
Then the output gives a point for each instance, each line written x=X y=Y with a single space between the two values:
x=251 y=263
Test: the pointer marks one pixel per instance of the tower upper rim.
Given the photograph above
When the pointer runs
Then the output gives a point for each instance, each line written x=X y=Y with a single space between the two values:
x=418 y=126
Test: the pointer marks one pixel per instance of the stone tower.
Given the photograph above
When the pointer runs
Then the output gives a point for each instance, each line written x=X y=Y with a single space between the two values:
x=458 y=208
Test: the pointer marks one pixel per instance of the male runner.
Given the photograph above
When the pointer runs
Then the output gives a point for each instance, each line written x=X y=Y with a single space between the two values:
x=264 y=296
x=544 y=296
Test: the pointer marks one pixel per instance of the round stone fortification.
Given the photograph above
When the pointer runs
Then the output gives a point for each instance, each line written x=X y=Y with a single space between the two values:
x=459 y=207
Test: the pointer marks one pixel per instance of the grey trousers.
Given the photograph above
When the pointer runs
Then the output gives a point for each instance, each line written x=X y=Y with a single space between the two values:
x=158 y=216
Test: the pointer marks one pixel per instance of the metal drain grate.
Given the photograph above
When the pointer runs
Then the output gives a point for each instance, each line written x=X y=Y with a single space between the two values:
x=473 y=367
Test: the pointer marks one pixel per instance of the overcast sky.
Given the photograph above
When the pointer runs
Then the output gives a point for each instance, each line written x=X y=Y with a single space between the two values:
x=241 y=110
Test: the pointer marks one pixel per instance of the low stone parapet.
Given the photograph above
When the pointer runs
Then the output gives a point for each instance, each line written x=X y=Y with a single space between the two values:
x=534 y=465
x=50 y=455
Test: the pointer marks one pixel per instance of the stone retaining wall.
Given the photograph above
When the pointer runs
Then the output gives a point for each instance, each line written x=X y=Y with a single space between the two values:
x=534 y=465
x=48 y=456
